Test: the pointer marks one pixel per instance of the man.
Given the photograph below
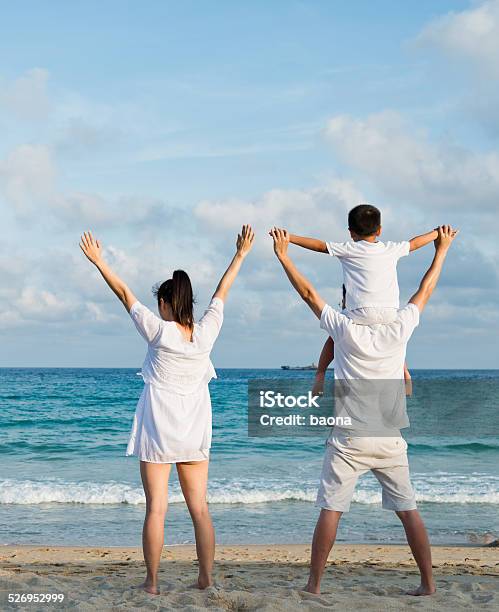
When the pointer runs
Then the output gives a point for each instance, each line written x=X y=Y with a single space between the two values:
x=367 y=352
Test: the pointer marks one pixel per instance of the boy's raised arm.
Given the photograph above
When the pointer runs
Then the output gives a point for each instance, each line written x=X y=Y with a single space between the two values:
x=420 y=241
x=313 y=244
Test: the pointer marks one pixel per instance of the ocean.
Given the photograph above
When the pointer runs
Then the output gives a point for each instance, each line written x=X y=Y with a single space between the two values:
x=64 y=479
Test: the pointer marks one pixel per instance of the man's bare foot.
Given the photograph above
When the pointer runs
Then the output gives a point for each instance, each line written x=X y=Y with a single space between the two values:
x=422 y=590
x=148 y=588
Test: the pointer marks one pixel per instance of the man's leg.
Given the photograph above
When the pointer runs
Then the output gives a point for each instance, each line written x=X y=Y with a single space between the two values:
x=417 y=539
x=324 y=537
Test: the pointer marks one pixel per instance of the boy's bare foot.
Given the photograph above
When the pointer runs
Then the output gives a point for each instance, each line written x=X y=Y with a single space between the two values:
x=318 y=388
x=148 y=588
x=422 y=590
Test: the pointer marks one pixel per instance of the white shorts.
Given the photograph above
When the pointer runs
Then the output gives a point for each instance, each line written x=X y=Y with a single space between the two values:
x=371 y=315
x=346 y=458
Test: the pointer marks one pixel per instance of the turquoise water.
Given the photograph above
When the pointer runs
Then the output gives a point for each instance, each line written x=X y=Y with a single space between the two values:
x=64 y=478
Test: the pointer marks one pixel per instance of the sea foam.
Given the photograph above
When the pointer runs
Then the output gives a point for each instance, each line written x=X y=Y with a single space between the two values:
x=105 y=493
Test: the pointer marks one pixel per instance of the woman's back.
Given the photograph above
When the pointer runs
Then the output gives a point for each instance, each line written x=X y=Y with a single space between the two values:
x=172 y=361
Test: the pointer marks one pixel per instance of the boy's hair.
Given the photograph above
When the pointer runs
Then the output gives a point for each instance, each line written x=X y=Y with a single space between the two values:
x=364 y=220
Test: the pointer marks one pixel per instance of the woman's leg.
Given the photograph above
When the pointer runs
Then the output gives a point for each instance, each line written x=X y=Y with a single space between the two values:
x=155 y=481
x=193 y=479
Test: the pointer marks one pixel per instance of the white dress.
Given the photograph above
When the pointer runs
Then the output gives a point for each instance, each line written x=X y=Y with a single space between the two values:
x=172 y=421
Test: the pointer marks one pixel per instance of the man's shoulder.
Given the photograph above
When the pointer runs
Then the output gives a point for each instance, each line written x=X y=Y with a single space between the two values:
x=407 y=316
x=332 y=319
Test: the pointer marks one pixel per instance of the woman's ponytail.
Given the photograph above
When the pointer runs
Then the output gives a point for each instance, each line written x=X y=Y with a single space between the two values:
x=182 y=299
x=177 y=291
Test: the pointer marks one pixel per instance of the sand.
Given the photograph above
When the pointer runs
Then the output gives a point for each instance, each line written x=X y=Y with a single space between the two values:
x=267 y=577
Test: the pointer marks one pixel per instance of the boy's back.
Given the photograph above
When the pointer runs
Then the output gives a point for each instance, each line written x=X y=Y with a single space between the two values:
x=370 y=271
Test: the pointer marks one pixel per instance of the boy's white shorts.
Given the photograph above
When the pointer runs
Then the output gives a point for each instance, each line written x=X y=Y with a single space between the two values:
x=347 y=457
x=372 y=315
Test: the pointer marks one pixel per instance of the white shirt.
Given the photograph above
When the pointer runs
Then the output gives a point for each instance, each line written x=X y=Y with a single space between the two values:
x=369 y=352
x=369 y=371
x=172 y=361
x=172 y=422
x=370 y=271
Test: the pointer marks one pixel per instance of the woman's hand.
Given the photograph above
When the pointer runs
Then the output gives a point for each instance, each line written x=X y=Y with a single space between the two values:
x=91 y=248
x=245 y=240
x=93 y=252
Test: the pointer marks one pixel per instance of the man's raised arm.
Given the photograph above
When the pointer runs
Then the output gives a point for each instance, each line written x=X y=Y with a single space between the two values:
x=429 y=281
x=302 y=285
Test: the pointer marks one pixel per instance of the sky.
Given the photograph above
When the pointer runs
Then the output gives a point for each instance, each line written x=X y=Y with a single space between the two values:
x=163 y=126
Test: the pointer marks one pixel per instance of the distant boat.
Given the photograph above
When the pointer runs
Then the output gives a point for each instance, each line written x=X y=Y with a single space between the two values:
x=312 y=366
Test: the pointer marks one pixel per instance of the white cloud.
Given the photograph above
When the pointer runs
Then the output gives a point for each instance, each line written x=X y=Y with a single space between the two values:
x=27 y=176
x=471 y=35
x=80 y=136
x=27 y=97
x=296 y=210
x=460 y=185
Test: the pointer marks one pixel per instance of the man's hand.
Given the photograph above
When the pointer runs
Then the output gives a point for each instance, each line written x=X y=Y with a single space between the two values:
x=446 y=235
x=245 y=240
x=91 y=248
x=281 y=241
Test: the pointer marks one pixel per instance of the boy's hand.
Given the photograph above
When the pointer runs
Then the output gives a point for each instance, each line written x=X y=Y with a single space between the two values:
x=446 y=235
x=281 y=241
x=91 y=247
x=245 y=240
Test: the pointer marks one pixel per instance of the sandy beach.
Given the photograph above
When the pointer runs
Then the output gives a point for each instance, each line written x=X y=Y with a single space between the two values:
x=266 y=577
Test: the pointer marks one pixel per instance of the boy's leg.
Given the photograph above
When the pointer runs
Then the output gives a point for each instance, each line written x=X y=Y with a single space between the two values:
x=327 y=355
x=417 y=539
x=324 y=537
x=408 y=381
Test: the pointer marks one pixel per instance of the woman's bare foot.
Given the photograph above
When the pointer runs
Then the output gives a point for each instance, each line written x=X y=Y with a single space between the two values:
x=204 y=582
x=148 y=588
x=423 y=590
x=314 y=589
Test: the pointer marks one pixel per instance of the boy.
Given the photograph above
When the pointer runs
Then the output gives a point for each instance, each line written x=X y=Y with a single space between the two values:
x=370 y=290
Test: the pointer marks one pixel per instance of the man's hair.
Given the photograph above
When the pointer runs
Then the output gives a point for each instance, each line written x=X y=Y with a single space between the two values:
x=364 y=220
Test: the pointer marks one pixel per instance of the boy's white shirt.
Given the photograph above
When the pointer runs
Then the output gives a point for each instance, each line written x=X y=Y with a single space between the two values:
x=370 y=271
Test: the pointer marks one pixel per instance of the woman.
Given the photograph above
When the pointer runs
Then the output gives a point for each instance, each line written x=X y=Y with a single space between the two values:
x=172 y=423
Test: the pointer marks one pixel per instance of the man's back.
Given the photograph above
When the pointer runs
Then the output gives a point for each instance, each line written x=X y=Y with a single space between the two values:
x=370 y=352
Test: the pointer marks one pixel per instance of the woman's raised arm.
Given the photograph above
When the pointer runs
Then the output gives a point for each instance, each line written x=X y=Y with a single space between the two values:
x=243 y=247
x=93 y=252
